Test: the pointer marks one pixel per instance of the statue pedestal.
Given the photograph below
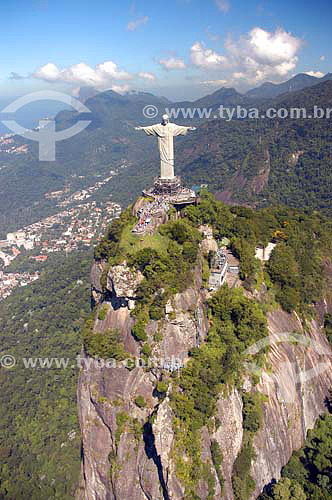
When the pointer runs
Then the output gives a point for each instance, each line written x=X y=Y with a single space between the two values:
x=171 y=191
x=167 y=186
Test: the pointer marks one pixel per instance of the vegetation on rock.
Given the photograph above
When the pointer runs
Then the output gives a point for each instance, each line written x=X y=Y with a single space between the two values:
x=307 y=476
x=236 y=322
x=140 y=401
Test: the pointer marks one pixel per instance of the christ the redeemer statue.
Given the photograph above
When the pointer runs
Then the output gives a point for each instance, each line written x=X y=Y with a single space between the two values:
x=165 y=131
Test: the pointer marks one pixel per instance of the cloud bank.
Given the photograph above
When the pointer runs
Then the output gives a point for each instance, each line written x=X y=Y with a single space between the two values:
x=254 y=57
x=317 y=74
x=172 y=63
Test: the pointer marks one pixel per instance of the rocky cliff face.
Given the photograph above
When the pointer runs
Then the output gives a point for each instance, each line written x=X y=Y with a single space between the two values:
x=125 y=456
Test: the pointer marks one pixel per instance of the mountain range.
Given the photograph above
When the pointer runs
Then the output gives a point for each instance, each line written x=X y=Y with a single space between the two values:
x=266 y=161
x=265 y=91
x=248 y=161
x=297 y=82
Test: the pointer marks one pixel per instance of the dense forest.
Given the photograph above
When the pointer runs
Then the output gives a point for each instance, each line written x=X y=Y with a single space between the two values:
x=39 y=432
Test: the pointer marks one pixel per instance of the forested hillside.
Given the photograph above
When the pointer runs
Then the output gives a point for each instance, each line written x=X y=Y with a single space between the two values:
x=39 y=433
x=266 y=161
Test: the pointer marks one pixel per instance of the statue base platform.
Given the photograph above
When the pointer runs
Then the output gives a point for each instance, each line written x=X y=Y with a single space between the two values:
x=167 y=186
x=152 y=209
x=171 y=190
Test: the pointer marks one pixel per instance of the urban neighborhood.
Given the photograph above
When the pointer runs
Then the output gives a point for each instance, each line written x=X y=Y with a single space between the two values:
x=75 y=226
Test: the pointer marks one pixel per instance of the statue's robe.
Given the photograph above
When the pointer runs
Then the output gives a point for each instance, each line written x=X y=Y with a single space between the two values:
x=165 y=134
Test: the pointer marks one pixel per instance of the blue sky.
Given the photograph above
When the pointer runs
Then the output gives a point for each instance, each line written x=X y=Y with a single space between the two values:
x=178 y=48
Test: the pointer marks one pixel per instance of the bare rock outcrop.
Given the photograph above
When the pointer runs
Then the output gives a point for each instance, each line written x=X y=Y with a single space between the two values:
x=122 y=466
x=129 y=451
x=122 y=281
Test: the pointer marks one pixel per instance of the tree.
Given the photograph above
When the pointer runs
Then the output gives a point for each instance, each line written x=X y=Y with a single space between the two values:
x=140 y=401
x=282 y=266
x=286 y=489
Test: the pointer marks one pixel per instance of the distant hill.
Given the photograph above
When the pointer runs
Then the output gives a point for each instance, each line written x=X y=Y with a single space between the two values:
x=298 y=82
x=226 y=96
x=266 y=161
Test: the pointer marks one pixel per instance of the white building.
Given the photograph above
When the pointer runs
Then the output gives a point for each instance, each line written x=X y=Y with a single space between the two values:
x=264 y=254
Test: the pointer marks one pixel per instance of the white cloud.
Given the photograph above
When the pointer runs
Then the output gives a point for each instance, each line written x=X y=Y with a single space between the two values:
x=206 y=58
x=49 y=72
x=109 y=68
x=262 y=54
x=285 y=67
x=76 y=91
x=214 y=83
x=133 y=25
x=104 y=76
x=317 y=74
x=255 y=57
x=264 y=47
x=147 y=76
x=172 y=63
x=121 y=89
x=222 y=5
x=322 y=58
x=101 y=76
x=238 y=75
x=273 y=48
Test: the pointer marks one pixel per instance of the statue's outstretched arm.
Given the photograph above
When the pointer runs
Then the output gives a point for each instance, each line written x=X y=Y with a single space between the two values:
x=181 y=130
x=148 y=130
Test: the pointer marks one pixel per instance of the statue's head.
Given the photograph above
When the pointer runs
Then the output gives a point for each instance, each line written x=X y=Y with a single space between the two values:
x=165 y=119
